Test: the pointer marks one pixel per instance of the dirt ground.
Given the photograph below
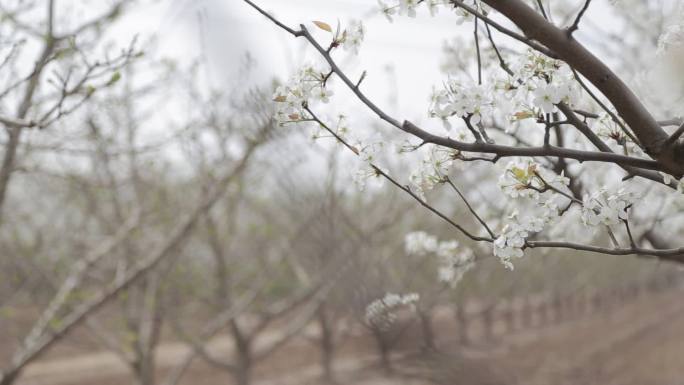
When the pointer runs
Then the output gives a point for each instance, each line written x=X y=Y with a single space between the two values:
x=637 y=343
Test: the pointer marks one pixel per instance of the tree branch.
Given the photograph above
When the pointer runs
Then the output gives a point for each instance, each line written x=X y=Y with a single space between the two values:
x=523 y=39
x=575 y=24
x=675 y=136
x=634 y=113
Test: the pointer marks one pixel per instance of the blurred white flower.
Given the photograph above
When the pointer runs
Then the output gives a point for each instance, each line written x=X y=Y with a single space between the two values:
x=672 y=37
x=420 y=243
x=454 y=262
x=408 y=7
x=381 y=312
x=353 y=37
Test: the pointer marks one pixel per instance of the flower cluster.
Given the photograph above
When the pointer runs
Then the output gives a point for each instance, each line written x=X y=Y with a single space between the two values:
x=510 y=243
x=529 y=180
x=546 y=96
x=512 y=240
x=339 y=127
x=420 y=243
x=520 y=180
x=434 y=167
x=368 y=154
x=672 y=37
x=462 y=100
x=606 y=208
x=309 y=84
x=561 y=89
x=540 y=82
x=536 y=65
x=352 y=37
x=608 y=129
x=453 y=260
x=409 y=7
x=361 y=176
x=381 y=314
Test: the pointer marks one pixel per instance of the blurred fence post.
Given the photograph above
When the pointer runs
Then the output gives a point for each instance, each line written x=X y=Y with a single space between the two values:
x=557 y=304
x=488 y=323
x=462 y=318
x=509 y=315
x=544 y=310
x=427 y=329
x=568 y=301
x=526 y=310
x=596 y=301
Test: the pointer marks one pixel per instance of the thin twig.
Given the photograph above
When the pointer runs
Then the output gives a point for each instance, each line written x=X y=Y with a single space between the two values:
x=674 y=137
x=479 y=55
x=407 y=190
x=575 y=24
x=502 y=62
x=531 y=43
x=470 y=208
x=274 y=20
x=541 y=8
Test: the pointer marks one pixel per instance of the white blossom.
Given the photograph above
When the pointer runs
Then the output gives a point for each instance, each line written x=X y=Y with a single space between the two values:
x=386 y=10
x=353 y=37
x=381 y=312
x=307 y=85
x=605 y=208
x=546 y=96
x=433 y=6
x=433 y=169
x=520 y=180
x=509 y=244
x=368 y=154
x=672 y=37
x=454 y=262
x=472 y=101
x=408 y=7
x=420 y=243
x=361 y=176
x=530 y=180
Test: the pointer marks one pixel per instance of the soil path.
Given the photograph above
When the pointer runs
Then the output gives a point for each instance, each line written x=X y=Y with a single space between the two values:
x=639 y=343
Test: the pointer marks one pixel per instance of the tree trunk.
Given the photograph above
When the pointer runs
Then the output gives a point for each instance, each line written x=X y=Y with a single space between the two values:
x=143 y=371
x=243 y=351
x=327 y=345
x=384 y=350
x=8 y=163
x=488 y=323
x=8 y=378
x=243 y=375
x=427 y=330
x=462 y=324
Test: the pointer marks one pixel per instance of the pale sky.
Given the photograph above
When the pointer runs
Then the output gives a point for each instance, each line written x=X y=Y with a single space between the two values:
x=229 y=28
x=412 y=47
